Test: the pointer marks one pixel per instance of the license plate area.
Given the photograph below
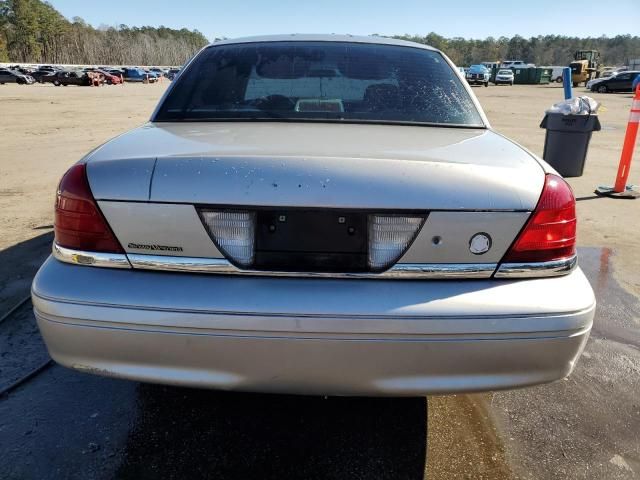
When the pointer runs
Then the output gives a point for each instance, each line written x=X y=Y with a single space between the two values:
x=311 y=240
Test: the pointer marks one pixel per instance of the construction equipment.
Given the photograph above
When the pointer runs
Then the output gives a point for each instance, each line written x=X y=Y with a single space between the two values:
x=586 y=65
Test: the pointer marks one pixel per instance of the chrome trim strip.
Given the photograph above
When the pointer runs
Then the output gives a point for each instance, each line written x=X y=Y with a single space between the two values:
x=399 y=271
x=94 y=259
x=553 y=268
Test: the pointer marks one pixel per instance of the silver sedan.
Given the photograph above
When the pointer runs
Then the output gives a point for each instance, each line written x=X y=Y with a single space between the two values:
x=318 y=215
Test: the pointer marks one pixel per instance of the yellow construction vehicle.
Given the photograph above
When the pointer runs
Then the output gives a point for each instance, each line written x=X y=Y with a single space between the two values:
x=586 y=65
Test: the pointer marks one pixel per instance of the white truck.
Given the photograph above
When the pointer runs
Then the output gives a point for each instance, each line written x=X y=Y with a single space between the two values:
x=516 y=64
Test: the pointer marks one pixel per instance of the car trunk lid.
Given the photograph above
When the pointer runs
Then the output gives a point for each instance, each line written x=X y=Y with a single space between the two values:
x=311 y=184
x=323 y=165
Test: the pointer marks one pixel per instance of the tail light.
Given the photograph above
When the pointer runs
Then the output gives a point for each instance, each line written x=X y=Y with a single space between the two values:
x=233 y=233
x=389 y=237
x=550 y=233
x=78 y=222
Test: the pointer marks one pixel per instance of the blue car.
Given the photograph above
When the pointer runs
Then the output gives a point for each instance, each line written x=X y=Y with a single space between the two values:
x=138 y=75
x=478 y=75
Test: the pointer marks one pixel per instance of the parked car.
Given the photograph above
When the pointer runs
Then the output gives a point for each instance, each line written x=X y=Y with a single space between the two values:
x=605 y=75
x=110 y=78
x=116 y=71
x=160 y=72
x=622 y=82
x=23 y=70
x=67 y=77
x=39 y=75
x=13 y=76
x=172 y=73
x=478 y=75
x=153 y=74
x=227 y=244
x=504 y=76
x=138 y=75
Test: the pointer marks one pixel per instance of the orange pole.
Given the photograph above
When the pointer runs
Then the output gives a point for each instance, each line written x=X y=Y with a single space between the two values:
x=629 y=144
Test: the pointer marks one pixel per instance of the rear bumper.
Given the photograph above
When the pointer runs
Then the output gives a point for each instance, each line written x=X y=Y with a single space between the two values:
x=313 y=336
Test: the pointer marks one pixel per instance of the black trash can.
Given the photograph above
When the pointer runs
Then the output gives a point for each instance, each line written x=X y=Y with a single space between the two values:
x=567 y=141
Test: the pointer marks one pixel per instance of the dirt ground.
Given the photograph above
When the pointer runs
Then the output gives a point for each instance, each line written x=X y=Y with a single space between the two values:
x=583 y=427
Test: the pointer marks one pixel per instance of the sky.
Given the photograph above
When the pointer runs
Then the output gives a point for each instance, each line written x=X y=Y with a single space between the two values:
x=453 y=18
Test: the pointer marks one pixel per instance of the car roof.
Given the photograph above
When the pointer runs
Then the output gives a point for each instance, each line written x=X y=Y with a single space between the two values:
x=306 y=37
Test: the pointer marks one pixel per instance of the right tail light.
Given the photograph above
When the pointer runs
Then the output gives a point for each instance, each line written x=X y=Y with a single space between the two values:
x=550 y=232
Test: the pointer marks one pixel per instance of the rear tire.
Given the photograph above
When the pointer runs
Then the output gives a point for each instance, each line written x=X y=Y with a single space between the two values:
x=575 y=84
x=603 y=89
x=486 y=84
x=559 y=80
x=57 y=83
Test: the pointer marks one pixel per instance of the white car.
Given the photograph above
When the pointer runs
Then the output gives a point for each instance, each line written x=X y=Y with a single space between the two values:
x=316 y=214
x=504 y=76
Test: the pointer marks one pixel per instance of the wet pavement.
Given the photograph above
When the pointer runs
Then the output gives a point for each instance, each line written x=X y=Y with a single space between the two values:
x=63 y=424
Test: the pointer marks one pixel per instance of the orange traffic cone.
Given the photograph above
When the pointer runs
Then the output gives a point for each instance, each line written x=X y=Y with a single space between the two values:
x=621 y=189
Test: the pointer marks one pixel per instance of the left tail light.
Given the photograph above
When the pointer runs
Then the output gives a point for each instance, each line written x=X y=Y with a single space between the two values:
x=79 y=224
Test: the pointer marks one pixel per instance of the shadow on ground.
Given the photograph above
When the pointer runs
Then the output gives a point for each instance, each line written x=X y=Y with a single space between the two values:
x=70 y=425
x=239 y=436
x=20 y=262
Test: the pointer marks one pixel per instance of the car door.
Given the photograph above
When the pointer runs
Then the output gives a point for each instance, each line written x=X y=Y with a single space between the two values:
x=620 y=82
x=7 y=77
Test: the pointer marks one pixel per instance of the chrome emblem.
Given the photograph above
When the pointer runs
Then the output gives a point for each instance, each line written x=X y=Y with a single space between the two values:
x=480 y=243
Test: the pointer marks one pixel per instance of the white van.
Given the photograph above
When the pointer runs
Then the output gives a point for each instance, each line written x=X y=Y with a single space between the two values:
x=556 y=74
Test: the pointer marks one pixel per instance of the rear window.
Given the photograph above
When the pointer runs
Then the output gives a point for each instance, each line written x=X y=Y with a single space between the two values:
x=326 y=81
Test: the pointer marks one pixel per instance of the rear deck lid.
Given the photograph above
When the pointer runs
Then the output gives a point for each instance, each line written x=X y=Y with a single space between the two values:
x=324 y=166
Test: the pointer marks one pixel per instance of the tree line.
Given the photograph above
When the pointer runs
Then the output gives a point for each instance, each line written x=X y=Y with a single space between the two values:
x=33 y=31
x=541 y=50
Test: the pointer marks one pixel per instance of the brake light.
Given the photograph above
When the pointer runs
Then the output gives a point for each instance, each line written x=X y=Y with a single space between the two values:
x=550 y=233
x=79 y=224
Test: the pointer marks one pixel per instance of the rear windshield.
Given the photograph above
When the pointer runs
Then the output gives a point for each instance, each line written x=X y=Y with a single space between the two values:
x=325 y=81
